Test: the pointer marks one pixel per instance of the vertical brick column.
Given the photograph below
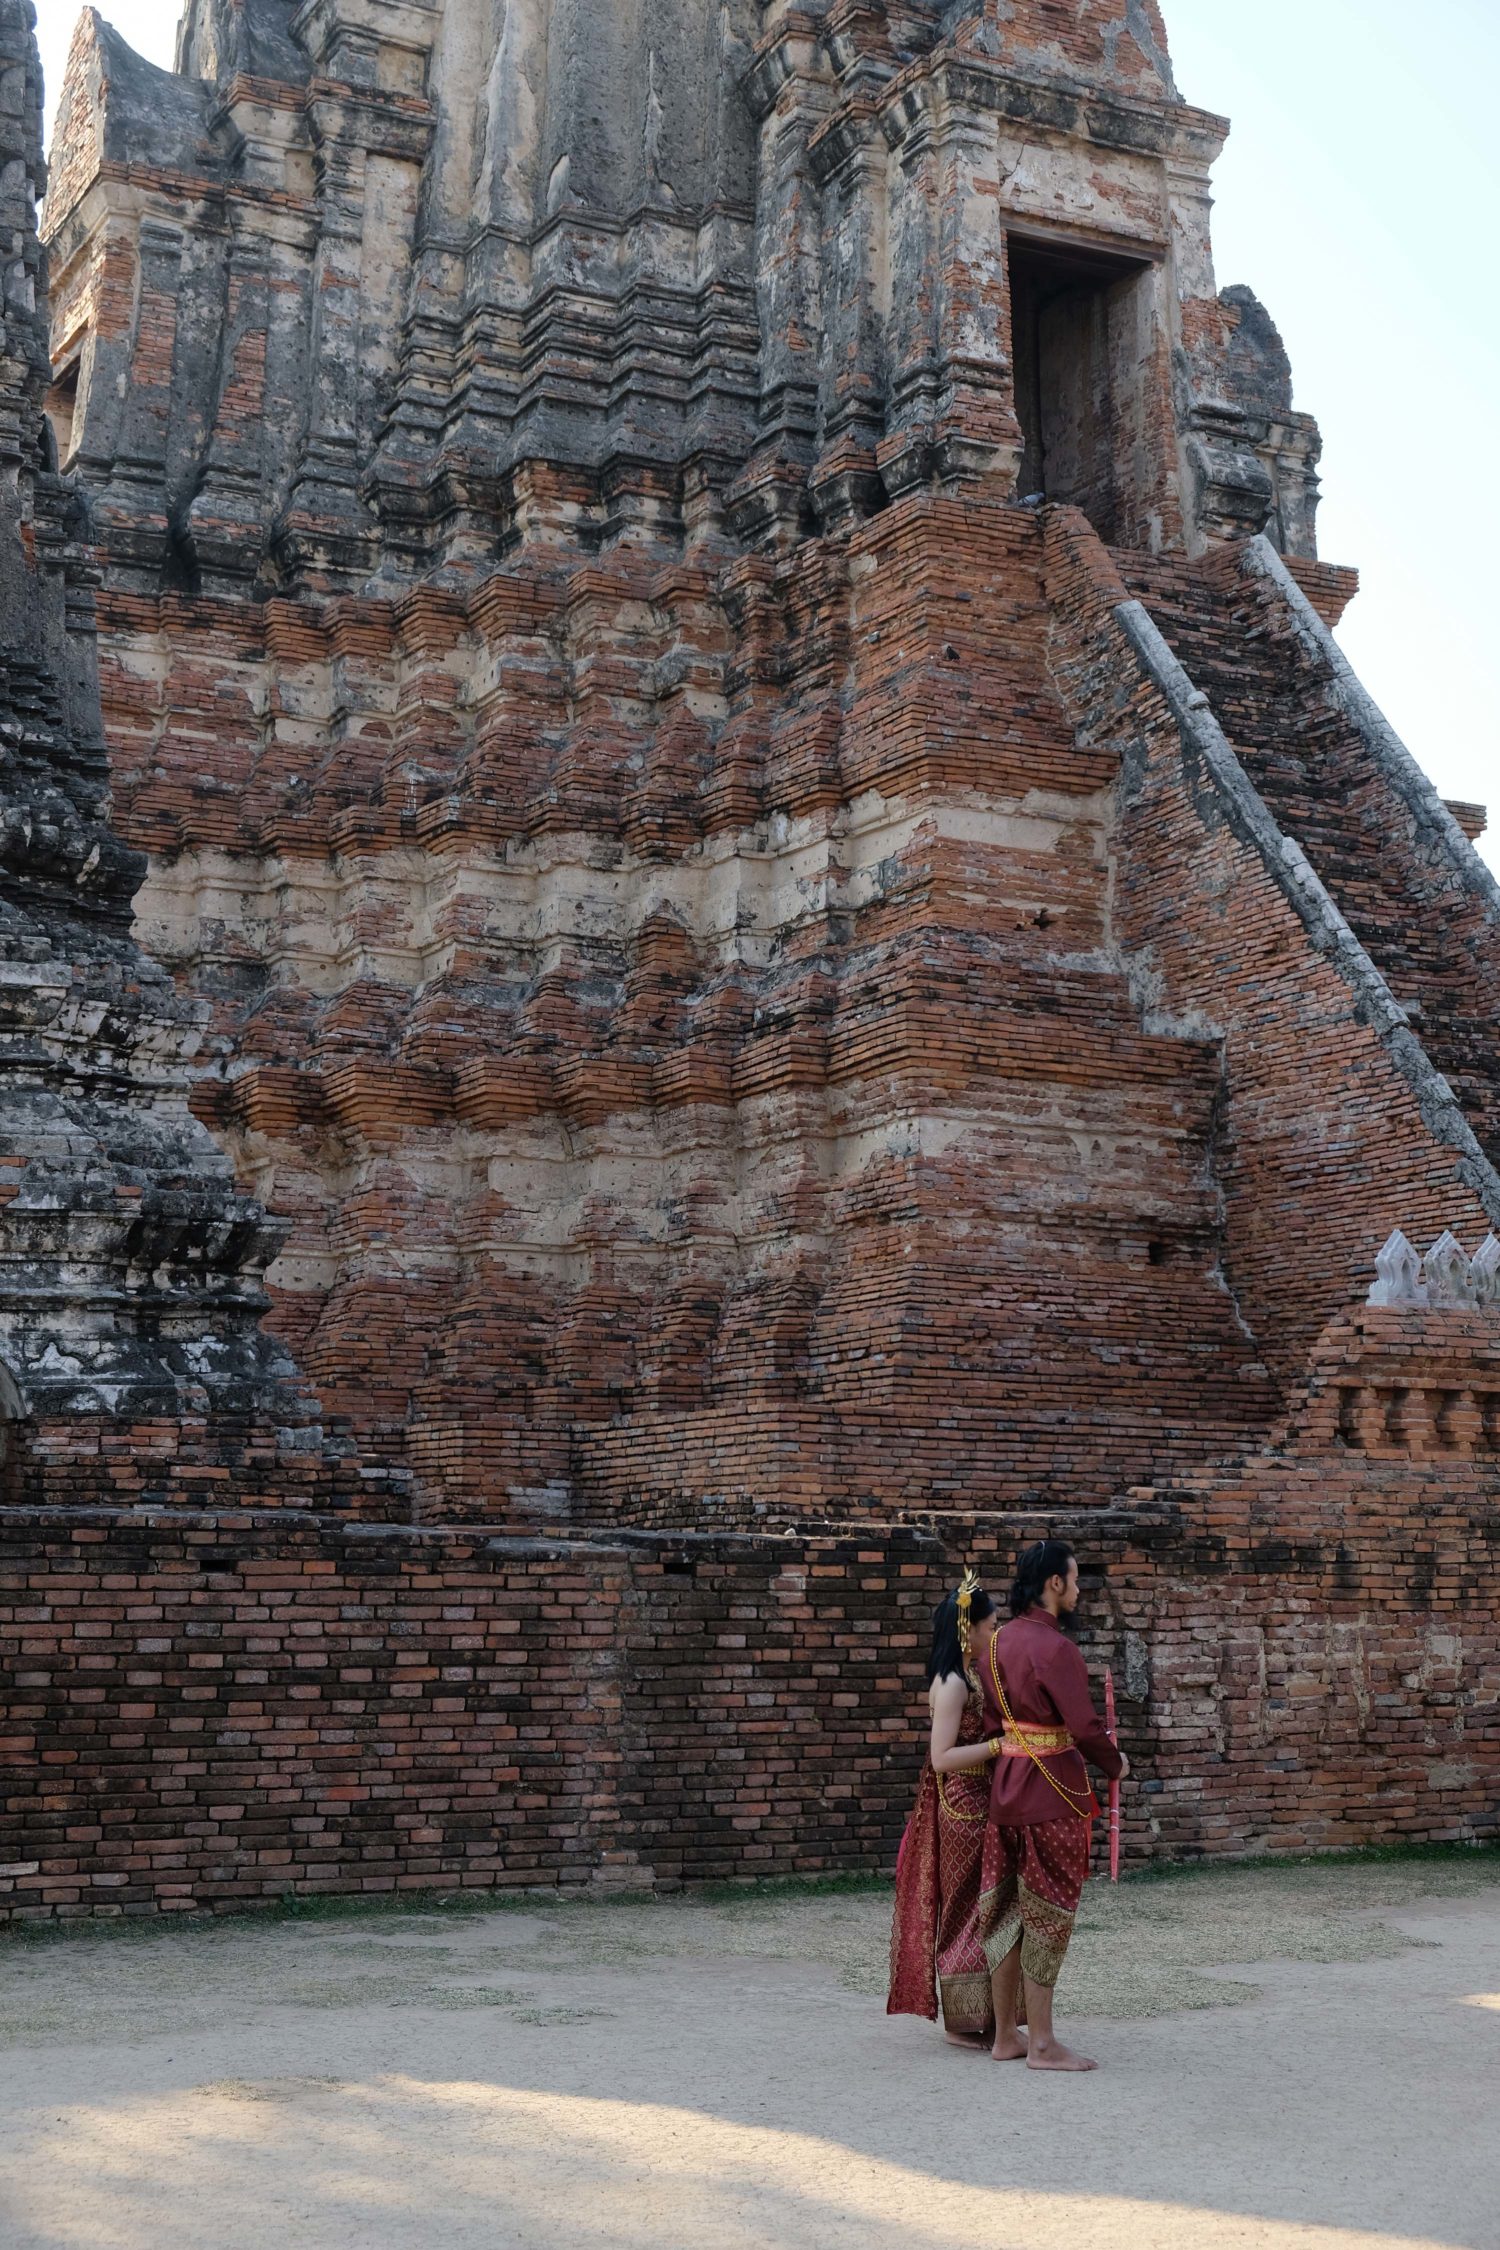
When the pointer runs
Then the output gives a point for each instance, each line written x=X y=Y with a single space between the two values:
x=978 y=436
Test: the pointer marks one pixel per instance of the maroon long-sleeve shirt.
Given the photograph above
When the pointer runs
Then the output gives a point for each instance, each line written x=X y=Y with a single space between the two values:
x=1046 y=1685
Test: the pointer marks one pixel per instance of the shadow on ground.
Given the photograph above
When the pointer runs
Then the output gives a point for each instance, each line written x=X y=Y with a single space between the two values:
x=1289 y=2063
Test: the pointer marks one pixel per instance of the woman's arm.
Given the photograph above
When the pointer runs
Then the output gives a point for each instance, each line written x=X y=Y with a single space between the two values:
x=948 y=1755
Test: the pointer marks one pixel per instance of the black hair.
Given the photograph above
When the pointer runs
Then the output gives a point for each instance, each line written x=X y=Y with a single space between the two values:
x=1049 y=1558
x=947 y=1658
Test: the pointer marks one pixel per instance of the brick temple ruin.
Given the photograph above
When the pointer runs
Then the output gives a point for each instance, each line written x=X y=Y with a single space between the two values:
x=697 y=914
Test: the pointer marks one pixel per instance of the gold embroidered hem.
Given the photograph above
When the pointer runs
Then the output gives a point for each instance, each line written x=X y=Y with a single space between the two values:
x=1001 y=1921
x=968 y=2004
x=1047 y=1933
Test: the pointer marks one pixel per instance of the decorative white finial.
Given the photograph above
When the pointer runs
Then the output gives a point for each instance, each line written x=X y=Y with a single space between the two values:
x=1486 y=1273
x=1399 y=1272
x=1447 y=1273
x=1447 y=1278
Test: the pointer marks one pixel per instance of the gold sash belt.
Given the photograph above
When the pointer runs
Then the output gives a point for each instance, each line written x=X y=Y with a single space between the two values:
x=1040 y=1742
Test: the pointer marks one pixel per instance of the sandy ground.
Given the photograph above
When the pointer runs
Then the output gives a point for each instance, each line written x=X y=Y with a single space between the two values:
x=1292 y=2058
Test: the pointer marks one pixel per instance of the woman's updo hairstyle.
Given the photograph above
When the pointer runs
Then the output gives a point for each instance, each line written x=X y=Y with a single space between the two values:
x=946 y=1661
x=1049 y=1558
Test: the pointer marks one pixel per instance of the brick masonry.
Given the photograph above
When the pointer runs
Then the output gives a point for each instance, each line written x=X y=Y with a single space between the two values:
x=783 y=898
x=220 y=1710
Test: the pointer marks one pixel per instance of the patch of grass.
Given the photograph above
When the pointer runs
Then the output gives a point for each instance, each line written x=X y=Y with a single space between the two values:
x=746 y=1894
x=1472 y=1856
x=357 y=1907
x=751 y=1887
x=341 y=1907
x=564 y=2015
x=398 y=1992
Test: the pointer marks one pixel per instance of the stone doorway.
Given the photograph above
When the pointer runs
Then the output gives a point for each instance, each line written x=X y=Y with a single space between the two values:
x=1082 y=337
x=62 y=413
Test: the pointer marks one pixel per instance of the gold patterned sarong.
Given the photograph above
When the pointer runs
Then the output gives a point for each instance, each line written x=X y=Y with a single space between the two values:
x=1029 y=1893
x=935 y=1936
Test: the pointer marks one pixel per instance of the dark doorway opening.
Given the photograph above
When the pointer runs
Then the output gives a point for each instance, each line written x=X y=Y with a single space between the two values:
x=13 y=1430
x=62 y=413
x=1083 y=349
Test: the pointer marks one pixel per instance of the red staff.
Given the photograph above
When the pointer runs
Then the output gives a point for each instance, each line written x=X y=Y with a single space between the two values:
x=1114 y=1788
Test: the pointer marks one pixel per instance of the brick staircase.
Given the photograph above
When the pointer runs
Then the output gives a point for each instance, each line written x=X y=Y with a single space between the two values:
x=1308 y=761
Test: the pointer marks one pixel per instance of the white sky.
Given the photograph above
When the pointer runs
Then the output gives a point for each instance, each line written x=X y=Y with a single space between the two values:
x=1355 y=198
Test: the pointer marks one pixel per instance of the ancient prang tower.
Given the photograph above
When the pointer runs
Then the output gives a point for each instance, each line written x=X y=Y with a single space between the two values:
x=791 y=945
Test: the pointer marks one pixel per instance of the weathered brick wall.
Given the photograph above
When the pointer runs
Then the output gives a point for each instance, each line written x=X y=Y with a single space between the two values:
x=1322 y=1674
x=219 y=1710
x=814 y=316
x=193 y=1461
x=1106 y=43
x=130 y=1263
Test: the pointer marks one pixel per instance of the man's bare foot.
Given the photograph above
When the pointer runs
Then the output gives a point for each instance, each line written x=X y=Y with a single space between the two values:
x=974 y=2041
x=1055 y=2057
x=1010 y=2046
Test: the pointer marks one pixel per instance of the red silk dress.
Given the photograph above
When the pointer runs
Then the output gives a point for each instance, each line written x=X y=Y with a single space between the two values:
x=935 y=1934
x=1036 y=1848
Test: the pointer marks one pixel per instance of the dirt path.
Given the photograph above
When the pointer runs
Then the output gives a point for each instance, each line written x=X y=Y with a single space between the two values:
x=1293 y=2058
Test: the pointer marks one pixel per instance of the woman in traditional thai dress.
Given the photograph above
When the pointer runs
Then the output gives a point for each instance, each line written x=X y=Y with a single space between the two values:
x=935 y=1937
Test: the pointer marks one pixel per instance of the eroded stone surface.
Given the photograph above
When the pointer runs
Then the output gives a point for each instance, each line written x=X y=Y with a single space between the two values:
x=133 y=1362
x=325 y=318
x=130 y=1265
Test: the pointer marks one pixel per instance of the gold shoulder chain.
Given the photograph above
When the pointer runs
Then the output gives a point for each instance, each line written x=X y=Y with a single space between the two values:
x=1014 y=1728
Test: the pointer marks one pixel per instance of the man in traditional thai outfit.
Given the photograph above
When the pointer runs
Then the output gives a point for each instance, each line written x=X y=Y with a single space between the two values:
x=1036 y=1846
